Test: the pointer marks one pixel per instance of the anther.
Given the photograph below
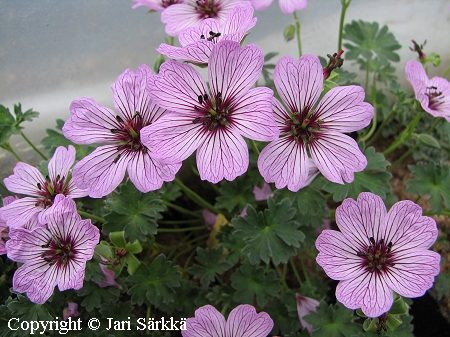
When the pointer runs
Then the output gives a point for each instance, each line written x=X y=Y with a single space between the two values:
x=39 y=186
x=195 y=121
x=119 y=119
x=372 y=240
x=381 y=241
x=116 y=159
x=196 y=108
x=205 y=97
x=200 y=99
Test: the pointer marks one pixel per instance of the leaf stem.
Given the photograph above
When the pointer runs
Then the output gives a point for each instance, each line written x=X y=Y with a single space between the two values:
x=179 y=230
x=405 y=135
x=33 y=147
x=281 y=276
x=374 y=103
x=7 y=146
x=91 y=216
x=195 y=197
x=4 y=187
x=345 y=5
x=254 y=147
x=297 y=32
x=381 y=127
x=178 y=222
x=181 y=209
x=446 y=72
x=304 y=271
x=294 y=268
x=366 y=85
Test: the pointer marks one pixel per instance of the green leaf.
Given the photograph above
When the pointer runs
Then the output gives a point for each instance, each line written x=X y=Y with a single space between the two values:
x=429 y=140
x=368 y=40
x=170 y=192
x=431 y=179
x=283 y=311
x=433 y=58
x=154 y=283
x=442 y=285
x=133 y=212
x=269 y=56
x=10 y=125
x=272 y=234
x=250 y=281
x=232 y=243
x=132 y=263
x=118 y=239
x=211 y=263
x=95 y=295
x=235 y=195
x=333 y=320
x=365 y=181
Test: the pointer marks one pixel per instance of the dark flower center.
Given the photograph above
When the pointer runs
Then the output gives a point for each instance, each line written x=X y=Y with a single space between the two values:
x=128 y=134
x=206 y=8
x=4 y=235
x=303 y=125
x=435 y=97
x=211 y=36
x=215 y=113
x=377 y=257
x=50 y=189
x=59 y=252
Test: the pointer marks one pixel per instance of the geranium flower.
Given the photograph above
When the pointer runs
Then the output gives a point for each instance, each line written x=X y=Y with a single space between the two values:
x=104 y=169
x=29 y=181
x=71 y=310
x=305 y=305
x=52 y=255
x=315 y=130
x=433 y=94
x=197 y=42
x=156 y=5
x=243 y=321
x=286 y=6
x=376 y=253
x=212 y=122
x=191 y=13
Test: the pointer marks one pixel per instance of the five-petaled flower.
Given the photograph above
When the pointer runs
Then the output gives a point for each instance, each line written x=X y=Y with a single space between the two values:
x=104 y=169
x=433 y=94
x=243 y=321
x=42 y=191
x=305 y=306
x=378 y=252
x=212 y=123
x=52 y=255
x=197 y=42
x=315 y=130
x=286 y=6
x=191 y=13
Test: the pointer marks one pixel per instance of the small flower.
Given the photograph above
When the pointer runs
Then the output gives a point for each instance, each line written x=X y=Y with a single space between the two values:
x=109 y=280
x=378 y=252
x=191 y=13
x=305 y=305
x=317 y=131
x=419 y=49
x=71 y=310
x=156 y=5
x=197 y=42
x=52 y=255
x=28 y=180
x=433 y=94
x=335 y=62
x=212 y=123
x=243 y=321
x=262 y=193
x=286 y=6
x=104 y=169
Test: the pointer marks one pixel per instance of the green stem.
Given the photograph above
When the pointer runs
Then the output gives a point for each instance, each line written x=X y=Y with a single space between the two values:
x=7 y=146
x=304 y=271
x=181 y=209
x=443 y=212
x=4 y=187
x=374 y=103
x=366 y=85
x=380 y=129
x=405 y=135
x=178 y=222
x=188 y=260
x=195 y=197
x=199 y=238
x=91 y=216
x=254 y=147
x=294 y=268
x=178 y=230
x=345 y=5
x=297 y=32
x=147 y=316
x=280 y=275
x=446 y=72
x=32 y=145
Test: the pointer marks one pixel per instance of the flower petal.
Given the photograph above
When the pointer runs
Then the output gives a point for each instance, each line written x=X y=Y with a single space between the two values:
x=193 y=34
x=290 y=6
x=24 y=180
x=337 y=156
x=261 y=4
x=98 y=172
x=243 y=321
x=342 y=109
x=208 y=322
x=285 y=163
x=19 y=212
x=197 y=52
x=238 y=22
x=61 y=162
x=299 y=84
x=224 y=154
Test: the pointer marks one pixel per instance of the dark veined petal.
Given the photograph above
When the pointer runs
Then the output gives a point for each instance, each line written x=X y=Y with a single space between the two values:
x=24 y=180
x=61 y=162
x=208 y=322
x=243 y=321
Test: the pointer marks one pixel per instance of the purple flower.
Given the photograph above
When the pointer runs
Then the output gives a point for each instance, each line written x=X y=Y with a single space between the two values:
x=243 y=321
x=71 y=310
x=28 y=180
x=317 y=131
x=378 y=252
x=197 y=42
x=104 y=169
x=156 y=5
x=191 y=13
x=305 y=305
x=433 y=94
x=110 y=276
x=286 y=6
x=262 y=193
x=52 y=255
x=212 y=122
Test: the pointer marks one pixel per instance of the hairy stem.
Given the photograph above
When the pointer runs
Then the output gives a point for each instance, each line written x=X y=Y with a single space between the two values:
x=405 y=135
x=345 y=5
x=32 y=146
x=297 y=32
x=91 y=216
x=195 y=197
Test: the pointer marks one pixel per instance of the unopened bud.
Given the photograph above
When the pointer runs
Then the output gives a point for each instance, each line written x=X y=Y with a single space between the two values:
x=289 y=32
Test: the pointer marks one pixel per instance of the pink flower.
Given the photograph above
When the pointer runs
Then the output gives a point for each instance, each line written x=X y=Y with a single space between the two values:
x=110 y=276
x=433 y=94
x=286 y=6
x=243 y=321
x=197 y=42
x=378 y=252
x=28 y=180
x=156 y=5
x=52 y=255
x=305 y=305
x=71 y=310
x=262 y=193
x=104 y=169
x=212 y=123
x=317 y=131
x=191 y=13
